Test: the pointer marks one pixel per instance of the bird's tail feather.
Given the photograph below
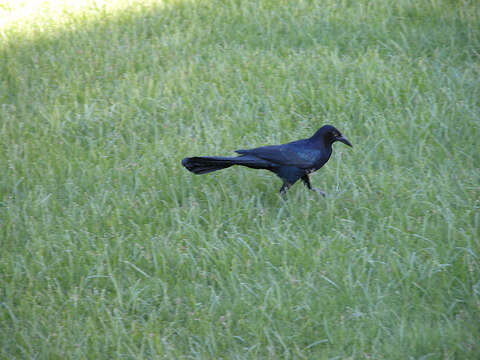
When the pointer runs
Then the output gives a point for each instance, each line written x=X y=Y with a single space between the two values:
x=205 y=164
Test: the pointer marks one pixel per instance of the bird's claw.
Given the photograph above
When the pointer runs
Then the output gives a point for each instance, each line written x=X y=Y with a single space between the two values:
x=319 y=191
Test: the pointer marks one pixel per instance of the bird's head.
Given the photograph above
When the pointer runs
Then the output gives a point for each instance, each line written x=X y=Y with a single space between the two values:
x=329 y=134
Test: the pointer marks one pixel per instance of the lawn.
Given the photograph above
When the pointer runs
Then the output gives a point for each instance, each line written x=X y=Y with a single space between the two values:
x=111 y=249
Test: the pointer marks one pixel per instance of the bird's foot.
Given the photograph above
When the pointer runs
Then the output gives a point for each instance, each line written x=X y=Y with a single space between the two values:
x=318 y=191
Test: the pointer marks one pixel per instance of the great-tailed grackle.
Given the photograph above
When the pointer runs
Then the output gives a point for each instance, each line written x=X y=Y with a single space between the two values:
x=291 y=161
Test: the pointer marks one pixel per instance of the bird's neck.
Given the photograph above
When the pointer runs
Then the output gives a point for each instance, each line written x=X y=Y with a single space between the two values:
x=323 y=146
x=320 y=141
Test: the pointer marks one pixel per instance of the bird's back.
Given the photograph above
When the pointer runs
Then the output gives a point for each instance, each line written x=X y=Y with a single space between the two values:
x=300 y=153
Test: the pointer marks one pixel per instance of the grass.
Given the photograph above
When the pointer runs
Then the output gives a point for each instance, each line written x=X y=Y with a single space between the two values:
x=110 y=249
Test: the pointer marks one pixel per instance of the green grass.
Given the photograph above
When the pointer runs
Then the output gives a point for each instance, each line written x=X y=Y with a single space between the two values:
x=110 y=249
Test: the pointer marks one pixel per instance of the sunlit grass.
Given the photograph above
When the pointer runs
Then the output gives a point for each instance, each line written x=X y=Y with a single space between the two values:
x=54 y=12
x=111 y=249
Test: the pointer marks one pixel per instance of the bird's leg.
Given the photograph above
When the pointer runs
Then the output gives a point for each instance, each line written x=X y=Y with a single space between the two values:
x=306 y=181
x=284 y=188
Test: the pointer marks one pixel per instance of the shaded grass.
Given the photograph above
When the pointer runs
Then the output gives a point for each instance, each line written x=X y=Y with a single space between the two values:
x=110 y=248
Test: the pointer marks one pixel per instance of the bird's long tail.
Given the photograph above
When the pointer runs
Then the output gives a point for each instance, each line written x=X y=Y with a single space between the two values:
x=205 y=164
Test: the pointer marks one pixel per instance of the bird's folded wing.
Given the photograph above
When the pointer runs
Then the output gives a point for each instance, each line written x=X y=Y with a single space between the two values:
x=285 y=155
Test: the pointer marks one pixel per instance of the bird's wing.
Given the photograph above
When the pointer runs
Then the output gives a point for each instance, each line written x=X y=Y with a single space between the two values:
x=297 y=154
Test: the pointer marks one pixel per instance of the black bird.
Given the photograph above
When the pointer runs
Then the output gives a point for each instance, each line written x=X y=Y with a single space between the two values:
x=291 y=161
